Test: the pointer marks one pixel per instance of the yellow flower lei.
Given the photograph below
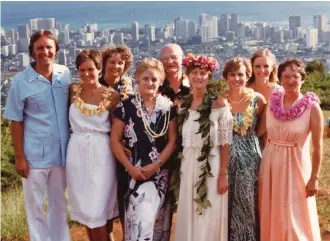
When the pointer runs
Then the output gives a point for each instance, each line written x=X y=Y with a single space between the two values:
x=127 y=85
x=102 y=107
x=247 y=116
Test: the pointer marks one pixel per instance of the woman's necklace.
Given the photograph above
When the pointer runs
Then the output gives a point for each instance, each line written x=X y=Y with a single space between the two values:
x=237 y=102
x=80 y=104
x=145 y=121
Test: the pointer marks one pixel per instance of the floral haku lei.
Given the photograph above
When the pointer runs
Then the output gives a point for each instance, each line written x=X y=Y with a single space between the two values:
x=247 y=120
x=201 y=61
x=80 y=104
x=294 y=111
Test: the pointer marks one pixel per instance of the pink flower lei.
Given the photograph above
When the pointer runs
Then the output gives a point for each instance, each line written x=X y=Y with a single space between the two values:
x=294 y=111
x=202 y=61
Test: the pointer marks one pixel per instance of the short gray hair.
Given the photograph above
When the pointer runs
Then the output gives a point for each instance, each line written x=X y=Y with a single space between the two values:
x=173 y=46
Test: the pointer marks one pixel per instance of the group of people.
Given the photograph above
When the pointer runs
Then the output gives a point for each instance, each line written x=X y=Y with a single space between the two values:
x=235 y=161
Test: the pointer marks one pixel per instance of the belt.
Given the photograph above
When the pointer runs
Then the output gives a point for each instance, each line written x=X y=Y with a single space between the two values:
x=89 y=136
x=283 y=143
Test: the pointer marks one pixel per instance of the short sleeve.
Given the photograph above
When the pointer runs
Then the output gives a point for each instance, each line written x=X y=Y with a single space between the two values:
x=225 y=127
x=173 y=114
x=15 y=105
x=120 y=112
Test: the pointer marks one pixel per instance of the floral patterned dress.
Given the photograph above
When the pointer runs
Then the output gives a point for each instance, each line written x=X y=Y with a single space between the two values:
x=243 y=170
x=144 y=197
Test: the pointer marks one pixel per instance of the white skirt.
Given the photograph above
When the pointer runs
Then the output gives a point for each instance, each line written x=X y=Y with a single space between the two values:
x=91 y=179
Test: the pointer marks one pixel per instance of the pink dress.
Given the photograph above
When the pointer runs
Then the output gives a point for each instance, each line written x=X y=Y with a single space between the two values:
x=286 y=214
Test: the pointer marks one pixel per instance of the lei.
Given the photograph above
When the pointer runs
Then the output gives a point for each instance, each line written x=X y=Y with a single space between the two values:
x=241 y=127
x=126 y=88
x=294 y=111
x=202 y=61
x=204 y=128
x=162 y=104
x=102 y=107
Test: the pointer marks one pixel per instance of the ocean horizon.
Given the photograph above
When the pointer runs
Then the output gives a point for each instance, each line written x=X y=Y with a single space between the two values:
x=112 y=15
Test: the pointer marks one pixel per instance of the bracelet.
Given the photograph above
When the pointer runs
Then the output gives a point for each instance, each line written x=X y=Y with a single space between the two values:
x=159 y=162
x=223 y=173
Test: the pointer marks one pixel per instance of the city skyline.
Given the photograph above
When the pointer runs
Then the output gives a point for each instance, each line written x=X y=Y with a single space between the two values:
x=122 y=14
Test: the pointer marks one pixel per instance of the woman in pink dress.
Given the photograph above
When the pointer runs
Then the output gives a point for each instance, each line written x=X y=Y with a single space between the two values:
x=288 y=178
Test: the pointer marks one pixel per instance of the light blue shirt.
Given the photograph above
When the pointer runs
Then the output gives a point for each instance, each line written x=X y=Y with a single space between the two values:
x=43 y=107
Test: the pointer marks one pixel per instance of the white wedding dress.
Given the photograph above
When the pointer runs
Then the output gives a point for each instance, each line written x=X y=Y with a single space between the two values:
x=91 y=169
x=212 y=225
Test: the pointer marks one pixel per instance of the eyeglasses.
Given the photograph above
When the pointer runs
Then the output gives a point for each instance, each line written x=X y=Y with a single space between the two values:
x=295 y=77
x=172 y=57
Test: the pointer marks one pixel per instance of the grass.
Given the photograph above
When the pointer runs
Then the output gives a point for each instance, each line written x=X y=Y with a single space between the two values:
x=13 y=217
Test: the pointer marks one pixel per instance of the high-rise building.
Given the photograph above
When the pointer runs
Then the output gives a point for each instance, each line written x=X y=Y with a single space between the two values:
x=46 y=23
x=204 y=31
x=224 y=24
x=23 y=60
x=62 y=58
x=169 y=28
x=23 y=44
x=192 y=28
x=23 y=31
x=311 y=38
x=176 y=22
x=278 y=36
x=241 y=30
x=5 y=50
x=12 y=34
x=66 y=34
x=233 y=22
x=12 y=49
x=118 y=38
x=203 y=18
x=151 y=30
x=135 y=32
x=294 y=23
x=33 y=24
x=182 y=30
x=321 y=24
x=259 y=31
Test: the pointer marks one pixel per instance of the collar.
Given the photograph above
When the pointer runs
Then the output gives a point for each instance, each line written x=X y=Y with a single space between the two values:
x=33 y=75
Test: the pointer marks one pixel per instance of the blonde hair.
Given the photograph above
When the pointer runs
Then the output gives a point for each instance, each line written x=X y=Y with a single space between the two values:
x=234 y=64
x=265 y=53
x=150 y=63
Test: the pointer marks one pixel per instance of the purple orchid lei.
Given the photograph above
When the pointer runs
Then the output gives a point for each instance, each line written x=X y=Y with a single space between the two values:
x=294 y=111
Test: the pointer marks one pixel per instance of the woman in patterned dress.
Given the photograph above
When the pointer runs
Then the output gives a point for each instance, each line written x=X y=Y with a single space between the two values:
x=147 y=122
x=117 y=61
x=247 y=107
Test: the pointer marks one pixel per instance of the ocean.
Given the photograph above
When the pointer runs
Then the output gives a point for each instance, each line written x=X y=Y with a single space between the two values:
x=121 y=14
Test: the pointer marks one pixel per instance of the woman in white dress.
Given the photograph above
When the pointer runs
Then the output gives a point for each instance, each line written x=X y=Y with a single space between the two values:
x=91 y=167
x=205 y=124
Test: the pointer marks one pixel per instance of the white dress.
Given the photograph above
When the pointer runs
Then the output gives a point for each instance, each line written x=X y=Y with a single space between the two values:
x=212 y=225
x=91 y=169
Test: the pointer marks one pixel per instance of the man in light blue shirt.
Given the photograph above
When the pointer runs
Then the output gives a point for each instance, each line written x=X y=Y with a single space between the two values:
x=37 y=104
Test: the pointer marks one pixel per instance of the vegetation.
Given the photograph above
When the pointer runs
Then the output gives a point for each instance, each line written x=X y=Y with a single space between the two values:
x=318 y=81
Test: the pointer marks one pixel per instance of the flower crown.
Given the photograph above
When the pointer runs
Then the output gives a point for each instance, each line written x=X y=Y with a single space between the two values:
x=202 y=61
